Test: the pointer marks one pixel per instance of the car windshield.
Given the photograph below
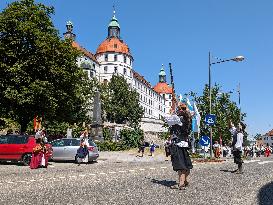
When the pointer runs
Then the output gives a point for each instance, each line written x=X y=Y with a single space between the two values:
x=13 y=139
x=91 y=143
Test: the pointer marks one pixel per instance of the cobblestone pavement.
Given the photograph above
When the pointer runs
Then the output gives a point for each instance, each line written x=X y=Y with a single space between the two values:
x=136 y=182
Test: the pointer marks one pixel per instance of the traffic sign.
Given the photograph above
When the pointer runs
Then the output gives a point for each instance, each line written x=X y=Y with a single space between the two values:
x=204 y=141
x=210 y=119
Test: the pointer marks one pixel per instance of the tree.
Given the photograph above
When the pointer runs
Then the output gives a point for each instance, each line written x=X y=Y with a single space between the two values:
x=38 y=71
x=258 y=136
x=225 y=110
x=120 y=103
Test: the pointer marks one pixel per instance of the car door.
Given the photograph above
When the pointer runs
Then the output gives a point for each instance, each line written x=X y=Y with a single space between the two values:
x=3 y=146
x=75 y=146
x=58 y=149
x=14 y=147
x=17 y=146
x=67 y=150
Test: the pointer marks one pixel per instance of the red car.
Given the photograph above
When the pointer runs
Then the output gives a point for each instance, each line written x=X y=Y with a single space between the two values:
x=18 y=148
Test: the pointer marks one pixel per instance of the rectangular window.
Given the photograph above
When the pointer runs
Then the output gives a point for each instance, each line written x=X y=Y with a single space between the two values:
x=271 y=138
x=124 y=59
x=115 y=45
x=106 y=57
x=105 y=69
x=124 y=71
x=170 y=96
x=115 y=69
x=115 y=57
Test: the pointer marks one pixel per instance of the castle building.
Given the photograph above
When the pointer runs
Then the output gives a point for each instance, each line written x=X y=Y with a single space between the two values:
x=113 y=57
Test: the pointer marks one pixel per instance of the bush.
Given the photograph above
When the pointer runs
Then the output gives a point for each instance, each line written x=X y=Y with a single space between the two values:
x=107 y=134
x=131 y=138
x=111 y=146
x=164 y=135
x=196 y=155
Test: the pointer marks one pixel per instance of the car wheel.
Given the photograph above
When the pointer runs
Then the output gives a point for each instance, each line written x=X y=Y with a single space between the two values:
x=26 y=159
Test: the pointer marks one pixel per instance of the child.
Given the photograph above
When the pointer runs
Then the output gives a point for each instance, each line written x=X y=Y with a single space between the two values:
x=152 y=148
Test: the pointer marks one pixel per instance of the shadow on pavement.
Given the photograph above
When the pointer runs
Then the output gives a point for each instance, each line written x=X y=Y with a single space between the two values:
x=265 y=195
x=226 y=170
x=166 y=183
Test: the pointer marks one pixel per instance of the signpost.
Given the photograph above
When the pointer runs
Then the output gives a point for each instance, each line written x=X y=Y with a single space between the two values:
x=210 y=119
x=204 y=141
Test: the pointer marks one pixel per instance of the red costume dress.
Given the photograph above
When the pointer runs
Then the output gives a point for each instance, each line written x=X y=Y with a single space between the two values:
x=39 y=155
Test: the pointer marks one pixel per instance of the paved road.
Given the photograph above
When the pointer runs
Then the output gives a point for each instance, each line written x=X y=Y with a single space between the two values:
x=107 y=182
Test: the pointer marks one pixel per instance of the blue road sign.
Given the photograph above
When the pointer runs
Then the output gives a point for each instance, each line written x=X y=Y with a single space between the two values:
x=204 y=141
x=210 y=119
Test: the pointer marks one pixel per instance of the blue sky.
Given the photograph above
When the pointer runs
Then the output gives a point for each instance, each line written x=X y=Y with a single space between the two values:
x=183 y=32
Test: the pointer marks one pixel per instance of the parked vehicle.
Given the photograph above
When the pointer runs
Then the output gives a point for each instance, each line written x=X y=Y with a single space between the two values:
x=18 y=148
x=66 y=149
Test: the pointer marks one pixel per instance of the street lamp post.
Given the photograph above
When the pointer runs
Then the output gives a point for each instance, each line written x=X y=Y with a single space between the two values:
x=236 y=59
x=239 y=96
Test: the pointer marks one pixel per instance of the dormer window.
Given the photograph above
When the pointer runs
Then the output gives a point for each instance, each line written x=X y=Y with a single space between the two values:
x=106 y=57
x=115 y=45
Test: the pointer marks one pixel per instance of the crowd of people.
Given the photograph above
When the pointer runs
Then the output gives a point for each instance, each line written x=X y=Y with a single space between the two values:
x=248 y=151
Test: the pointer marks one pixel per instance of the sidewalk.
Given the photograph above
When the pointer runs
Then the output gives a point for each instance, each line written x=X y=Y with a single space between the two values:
x=130 y=156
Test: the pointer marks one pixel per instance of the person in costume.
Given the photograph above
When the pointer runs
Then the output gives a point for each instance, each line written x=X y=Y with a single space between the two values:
x=237 y=145
x=216 y=149
x=82 y=152
x=180 y=144
x=39 y=155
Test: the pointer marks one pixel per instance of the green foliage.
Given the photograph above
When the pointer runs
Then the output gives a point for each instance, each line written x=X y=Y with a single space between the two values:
x=111 y=146
x=196 y=155
x=258 y=136
x=38 y=71
x=164 y=135
x=131 y=138
x=120 y=103
x=225 y=110
x=107 y=134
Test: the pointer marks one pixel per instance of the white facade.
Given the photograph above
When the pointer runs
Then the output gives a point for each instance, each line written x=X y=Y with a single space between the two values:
x=114 y=63
x=152 y=103
x=267 y=140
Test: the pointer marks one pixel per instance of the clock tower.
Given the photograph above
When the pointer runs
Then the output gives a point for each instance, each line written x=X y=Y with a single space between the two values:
x=114 y=28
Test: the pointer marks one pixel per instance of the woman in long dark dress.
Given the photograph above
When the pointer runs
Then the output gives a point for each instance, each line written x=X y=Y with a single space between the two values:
x=180 y=145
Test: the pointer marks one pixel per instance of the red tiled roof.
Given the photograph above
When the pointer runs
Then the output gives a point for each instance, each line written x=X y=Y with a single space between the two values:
x=141 y=79
x=113 y=45
x=85 y=52
x=270 y=133
x=163 y=88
